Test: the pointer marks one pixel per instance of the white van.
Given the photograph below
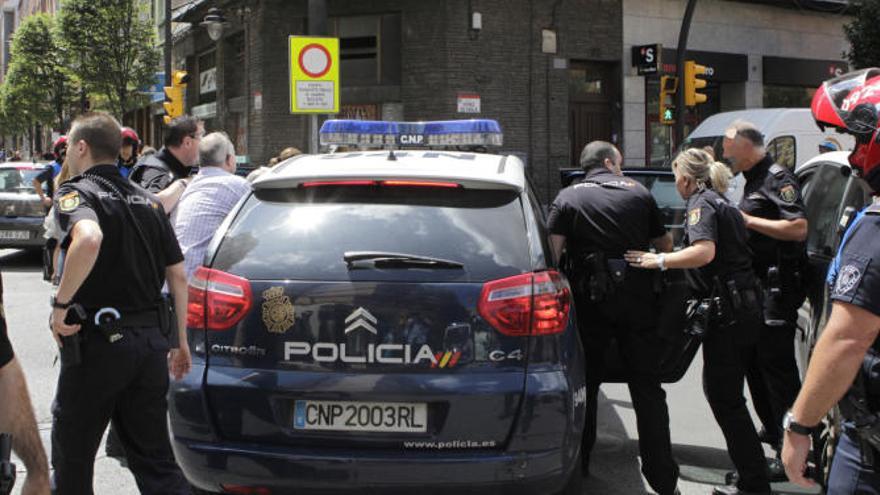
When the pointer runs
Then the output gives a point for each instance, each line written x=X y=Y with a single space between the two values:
x=791 y=135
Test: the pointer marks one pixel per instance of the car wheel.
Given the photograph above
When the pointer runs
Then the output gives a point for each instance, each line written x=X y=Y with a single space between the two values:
x=575 y=483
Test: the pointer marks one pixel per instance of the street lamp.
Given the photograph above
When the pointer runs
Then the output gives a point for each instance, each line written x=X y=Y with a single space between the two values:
x=214 y=23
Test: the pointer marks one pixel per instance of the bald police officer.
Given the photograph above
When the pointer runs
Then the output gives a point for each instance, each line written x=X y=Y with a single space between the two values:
x=110 y=320
x=596 y=221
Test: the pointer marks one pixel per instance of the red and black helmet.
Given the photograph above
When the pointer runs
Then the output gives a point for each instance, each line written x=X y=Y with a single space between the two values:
x=851 y=104
x=59 y=145
x=129 y=136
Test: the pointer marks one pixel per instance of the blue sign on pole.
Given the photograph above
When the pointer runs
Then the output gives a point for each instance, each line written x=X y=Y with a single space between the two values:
x=156 y=90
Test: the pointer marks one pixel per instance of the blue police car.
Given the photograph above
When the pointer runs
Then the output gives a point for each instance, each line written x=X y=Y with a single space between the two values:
x=384 y=321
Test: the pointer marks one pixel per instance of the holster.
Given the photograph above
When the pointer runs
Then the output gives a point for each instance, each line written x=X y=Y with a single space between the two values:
x=166 y=315
x=7 y=468
x=591 y=275
x=861 y=405
x=70 y=353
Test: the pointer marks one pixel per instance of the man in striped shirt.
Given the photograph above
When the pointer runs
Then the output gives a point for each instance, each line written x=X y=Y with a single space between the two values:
x=207 y=200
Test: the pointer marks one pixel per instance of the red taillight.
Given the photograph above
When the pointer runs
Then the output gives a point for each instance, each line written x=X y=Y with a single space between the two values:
x=217 y=300
x=419 y=183
x=528 y=304
x=386 y=183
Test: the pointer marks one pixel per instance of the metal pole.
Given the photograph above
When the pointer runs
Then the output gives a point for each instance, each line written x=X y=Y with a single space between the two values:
x=679 y=71
x=168 y=41
x=317 y=27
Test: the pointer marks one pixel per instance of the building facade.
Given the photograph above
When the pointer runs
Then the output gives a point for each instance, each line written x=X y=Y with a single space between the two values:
x=758 y=55
x=555 y=73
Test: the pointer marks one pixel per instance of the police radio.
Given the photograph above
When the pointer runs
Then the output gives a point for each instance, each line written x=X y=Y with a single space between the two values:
x=7 y=468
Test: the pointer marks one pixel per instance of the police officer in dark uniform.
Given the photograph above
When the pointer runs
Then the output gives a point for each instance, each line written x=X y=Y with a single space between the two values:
x=596 y=221
x=774 y=214
x=846 y=359
x=110 y=319
x=726 y=309
x=174 y=161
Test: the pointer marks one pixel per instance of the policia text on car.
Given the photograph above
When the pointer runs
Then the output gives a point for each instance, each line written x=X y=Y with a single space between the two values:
x=597 y=220
x=729 y=314
x=845 y=365
x=119 y=249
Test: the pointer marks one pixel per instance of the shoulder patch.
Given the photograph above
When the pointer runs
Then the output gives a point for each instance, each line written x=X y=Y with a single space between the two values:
x=69 y=201
x=847 y=279
x=693 y=216
x=788 y=193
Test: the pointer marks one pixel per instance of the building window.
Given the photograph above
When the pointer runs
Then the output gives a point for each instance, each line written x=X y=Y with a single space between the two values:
x=369 y=49
x=207 y=65
x=788 y=96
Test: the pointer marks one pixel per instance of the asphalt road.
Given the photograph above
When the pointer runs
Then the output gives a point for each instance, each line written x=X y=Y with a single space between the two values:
x=697 y=442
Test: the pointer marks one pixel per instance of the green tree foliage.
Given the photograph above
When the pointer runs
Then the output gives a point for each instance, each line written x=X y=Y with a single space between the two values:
x=111 y=46
x=863 y=33
x=37 y=84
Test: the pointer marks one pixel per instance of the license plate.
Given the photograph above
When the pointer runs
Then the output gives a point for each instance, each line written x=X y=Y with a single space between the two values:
x=392 y=417
x=15 y=235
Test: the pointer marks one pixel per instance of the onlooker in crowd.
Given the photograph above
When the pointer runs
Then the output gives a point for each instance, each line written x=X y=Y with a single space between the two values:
x=829 y=144
x=284 y=155
x=17 y=416
x=213 y=193
x=128 y=154
x=51 y=171
x=181 y=151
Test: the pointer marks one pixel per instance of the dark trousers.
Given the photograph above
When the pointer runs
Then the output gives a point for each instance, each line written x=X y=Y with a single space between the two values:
x=849 y=474
x=774 y=380
x=125 y=383
x=727 y=352
x=616 y=319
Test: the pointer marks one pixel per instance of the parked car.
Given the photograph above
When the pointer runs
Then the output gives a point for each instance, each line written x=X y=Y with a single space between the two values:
x=680 y=347
x=832 y=197
x=383 y=322
x=21 y=212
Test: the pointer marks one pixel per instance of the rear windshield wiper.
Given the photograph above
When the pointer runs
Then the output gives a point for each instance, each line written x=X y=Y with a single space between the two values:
x=383 y=259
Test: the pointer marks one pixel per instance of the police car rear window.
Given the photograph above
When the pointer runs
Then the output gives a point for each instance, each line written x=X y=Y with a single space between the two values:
x=302 y=234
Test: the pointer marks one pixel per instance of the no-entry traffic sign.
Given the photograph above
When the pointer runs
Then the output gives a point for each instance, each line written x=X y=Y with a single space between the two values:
x=314 y=75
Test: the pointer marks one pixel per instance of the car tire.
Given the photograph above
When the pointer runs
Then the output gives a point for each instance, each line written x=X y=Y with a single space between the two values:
x=575 y=483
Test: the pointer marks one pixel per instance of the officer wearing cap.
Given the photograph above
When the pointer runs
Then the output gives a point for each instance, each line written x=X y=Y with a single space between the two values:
x=174 y=161
x=774 y=215
x=110 y=319
x=596 y=220
x=845 y=364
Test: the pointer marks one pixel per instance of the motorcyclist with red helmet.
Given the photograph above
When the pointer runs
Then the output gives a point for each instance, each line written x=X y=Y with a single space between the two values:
x=128 y=154
x=845 y=366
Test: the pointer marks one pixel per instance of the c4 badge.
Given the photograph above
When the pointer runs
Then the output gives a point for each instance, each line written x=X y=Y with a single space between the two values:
x=278 y=311
x=68 y=202
x=694 y=216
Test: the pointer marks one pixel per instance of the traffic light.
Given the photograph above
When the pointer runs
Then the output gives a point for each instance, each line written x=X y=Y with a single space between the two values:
x=174 y=103
x=691 y=83
x=668 y=87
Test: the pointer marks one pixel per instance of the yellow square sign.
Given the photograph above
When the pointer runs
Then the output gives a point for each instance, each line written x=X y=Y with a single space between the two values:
x=314 y=75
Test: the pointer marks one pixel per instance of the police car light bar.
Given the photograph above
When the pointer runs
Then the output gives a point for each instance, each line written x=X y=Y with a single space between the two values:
x=383 y=134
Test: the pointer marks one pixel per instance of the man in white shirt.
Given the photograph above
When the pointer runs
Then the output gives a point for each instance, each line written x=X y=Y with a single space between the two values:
x=211 y=195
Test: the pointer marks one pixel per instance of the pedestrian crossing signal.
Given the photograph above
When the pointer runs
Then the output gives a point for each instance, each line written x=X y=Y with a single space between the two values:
x=668 y=87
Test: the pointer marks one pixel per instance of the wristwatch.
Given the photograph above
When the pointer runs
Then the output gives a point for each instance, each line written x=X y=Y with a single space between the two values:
x=60 y=305
x=789 y=424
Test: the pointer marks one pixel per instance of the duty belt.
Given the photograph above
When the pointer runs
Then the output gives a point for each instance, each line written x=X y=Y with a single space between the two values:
x=110 y=321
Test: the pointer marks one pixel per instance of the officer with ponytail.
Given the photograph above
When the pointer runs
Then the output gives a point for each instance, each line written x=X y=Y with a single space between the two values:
x=726 y=307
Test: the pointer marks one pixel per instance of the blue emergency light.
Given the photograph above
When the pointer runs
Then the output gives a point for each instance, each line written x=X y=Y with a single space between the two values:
x=384 y=134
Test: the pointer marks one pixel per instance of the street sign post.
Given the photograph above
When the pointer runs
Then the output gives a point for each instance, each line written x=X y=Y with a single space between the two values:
x=314 y=75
